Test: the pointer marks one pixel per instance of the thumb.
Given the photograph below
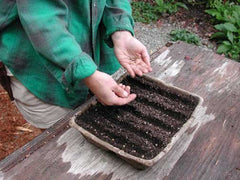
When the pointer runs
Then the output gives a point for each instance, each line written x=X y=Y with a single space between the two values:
x=120 y=91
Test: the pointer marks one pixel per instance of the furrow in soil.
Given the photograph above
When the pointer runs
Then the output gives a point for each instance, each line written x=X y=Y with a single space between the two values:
x=126 y=120
x=154 y=116
x=161 y=89
x=118 y=137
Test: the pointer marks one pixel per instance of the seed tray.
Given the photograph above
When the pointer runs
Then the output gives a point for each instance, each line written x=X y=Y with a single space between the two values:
x=143 y=131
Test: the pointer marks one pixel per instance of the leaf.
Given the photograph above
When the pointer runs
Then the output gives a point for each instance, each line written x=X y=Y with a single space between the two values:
x=227 y=43
x=226 y=27
x=181 y=5
x=159 y=2
x=219 y=35
x=213 y=12
x=223 y=49
x=236 y=16
x=220 y=27
x=236 y=56
x=226 y=15
x=230 y=36
x=230 y=27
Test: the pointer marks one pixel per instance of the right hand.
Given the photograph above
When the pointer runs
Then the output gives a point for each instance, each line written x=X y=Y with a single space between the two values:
x=107 y=91
x=131 y=53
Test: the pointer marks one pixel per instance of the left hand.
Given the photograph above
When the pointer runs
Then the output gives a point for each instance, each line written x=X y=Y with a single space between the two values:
x=131 y=53
x=107 y=91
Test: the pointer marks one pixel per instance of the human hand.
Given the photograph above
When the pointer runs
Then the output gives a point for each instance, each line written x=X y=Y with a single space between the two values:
x=107 y=91
x=131 y=53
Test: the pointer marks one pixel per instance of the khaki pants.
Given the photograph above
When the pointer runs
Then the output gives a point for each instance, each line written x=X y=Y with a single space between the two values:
x=35 y=111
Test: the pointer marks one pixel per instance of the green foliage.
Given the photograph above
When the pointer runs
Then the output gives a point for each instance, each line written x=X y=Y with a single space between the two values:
x=184 y=35
x=228 y=25
x=208 y=3
x=144 y=12
x=168 y=6
x=214 y=3
x=195 y=2
x=226 y=15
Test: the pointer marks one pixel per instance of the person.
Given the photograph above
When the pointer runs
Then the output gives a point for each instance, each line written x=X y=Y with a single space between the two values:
x=55 y=51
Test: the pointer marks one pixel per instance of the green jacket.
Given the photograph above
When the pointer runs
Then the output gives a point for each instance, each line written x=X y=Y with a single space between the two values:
x=52 y=45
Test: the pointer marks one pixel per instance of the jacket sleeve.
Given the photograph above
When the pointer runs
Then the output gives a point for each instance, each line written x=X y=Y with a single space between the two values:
x=45 y=22
x=117 y=16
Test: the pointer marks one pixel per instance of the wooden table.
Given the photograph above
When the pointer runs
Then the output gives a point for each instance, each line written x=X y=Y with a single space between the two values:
x=209 y=149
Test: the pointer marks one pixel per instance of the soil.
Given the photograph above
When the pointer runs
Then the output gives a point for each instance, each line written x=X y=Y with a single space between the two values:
x=193 y=19
x=145 y=126
x=14 y=130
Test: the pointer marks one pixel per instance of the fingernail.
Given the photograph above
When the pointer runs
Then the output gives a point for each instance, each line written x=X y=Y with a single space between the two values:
x=125 y=93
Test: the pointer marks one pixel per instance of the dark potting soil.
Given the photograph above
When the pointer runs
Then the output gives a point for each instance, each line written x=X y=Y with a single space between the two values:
x=144 y=127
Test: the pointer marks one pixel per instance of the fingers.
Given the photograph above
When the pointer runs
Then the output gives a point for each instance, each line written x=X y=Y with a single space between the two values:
x=130 y=70
x=123 y=95
x=137 y=71
x=120 y=91
x=107 y=91
x=137 y=66
x=126 y=88
x=145 y=57
x=122 y=101
x=120 y=96
x=118 y=101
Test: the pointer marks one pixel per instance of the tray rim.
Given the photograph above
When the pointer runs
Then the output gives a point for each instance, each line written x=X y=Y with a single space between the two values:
x=126 y=156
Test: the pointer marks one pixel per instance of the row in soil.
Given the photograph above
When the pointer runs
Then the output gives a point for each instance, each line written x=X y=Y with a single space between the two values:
x=145 y=126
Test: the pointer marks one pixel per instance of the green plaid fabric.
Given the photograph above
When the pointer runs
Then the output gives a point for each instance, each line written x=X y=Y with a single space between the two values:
x=51 y=45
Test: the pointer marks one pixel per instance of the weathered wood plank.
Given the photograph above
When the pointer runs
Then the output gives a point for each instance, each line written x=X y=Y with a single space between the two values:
x=209 y=149
x=215 y=150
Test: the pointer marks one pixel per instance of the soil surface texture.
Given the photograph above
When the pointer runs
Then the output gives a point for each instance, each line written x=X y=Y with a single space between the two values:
x=144 y=127
x=15 y=132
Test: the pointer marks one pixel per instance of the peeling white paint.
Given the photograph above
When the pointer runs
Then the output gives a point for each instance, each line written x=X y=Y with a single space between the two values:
x=209 y=86
x=172 y=71
x=227 y=85
x=222 y=70
x=86 y=159
x=161 y=58
x=167 y=68
x=220 y=79
x=224 y=122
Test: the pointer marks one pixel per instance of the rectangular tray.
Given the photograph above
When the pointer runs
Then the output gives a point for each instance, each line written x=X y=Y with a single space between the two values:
x=143 y=131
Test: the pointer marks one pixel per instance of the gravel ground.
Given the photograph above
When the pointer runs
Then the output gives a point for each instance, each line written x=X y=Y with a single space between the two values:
x=153 y=36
